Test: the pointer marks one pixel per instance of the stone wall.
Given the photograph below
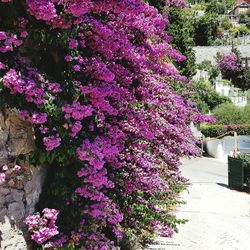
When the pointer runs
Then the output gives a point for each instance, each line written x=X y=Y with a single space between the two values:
x=21 y=190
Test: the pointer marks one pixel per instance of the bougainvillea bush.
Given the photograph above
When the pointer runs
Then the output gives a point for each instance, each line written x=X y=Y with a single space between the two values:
x=231 y=68
x=94 y=77
x=229 y=65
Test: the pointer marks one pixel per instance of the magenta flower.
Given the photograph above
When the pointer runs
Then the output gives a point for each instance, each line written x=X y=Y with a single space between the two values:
x=77 y=68
x=17 y=168
x=229 y=63
x=2 y=178
x=43 y=228
x=24 y=34
x=2 y=66
x=44 y=10
x=38 y=118
x=73 y=43
x=68 y=58
x=5 y=167
x=51 y=142
x=3 y=35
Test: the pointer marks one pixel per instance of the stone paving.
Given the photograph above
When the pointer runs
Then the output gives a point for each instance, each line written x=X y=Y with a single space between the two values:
x=219 y=218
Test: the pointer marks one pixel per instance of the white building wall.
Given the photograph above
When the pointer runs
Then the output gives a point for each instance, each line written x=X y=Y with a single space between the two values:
x=201 y=74
x=222 y=89
x=237 y=96
x=240 y=101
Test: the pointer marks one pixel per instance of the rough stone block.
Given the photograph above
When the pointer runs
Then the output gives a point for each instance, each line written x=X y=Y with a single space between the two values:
x=16 y=211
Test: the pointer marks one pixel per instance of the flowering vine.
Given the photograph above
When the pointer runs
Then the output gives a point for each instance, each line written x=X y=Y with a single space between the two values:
x=94 y=78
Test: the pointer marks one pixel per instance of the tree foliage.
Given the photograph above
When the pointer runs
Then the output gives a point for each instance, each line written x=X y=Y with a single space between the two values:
x=181 y=28
x=215 y=6
x=206 y=28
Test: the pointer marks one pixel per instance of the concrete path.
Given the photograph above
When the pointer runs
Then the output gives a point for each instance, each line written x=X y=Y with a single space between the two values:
x=219 y=218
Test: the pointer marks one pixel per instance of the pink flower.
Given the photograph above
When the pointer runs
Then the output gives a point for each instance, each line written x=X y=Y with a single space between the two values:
x=54 y=87
x=2 y=35
x=17 y=168
x=5 y=167
x=51 y=142
x=75 y=128
x=43 y=228
x=23 y=114
x=45 y=11
x=24 y=34
x=229 y=64
x=68 y=58
x=38 y=118
x=2 y=178
x=83 y=43
x=73 y=43
x=2 y=66
x=77 y=68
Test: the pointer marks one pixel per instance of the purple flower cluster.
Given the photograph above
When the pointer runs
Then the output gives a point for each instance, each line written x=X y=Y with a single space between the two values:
x=229 y=63
x=51 y=142
x=42 y=10
x=43 y=228
x=33 y=91
x=164 y=231
x=76 y=111
x=60 y=242
x=9 y=41
x=177 y=3
x=35 y=118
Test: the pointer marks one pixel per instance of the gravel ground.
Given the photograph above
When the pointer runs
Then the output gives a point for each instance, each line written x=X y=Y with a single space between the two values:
x=219 y=218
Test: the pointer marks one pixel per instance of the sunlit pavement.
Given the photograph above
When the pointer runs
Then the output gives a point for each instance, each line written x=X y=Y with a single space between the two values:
x=219 y=218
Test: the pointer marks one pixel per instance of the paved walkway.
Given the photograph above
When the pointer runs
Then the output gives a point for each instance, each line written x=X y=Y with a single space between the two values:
x=219 y=218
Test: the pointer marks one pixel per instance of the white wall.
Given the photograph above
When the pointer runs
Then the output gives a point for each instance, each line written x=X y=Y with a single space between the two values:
x=201 y=74
x=222 y=89
x=240 y=101
x=237 y=96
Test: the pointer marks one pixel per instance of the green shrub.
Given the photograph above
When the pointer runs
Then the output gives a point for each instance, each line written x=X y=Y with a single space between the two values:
x=239 y=31
x=213 y=130
x=199 y=7
x=206 y=97
x=226 y=23
x=228 y=113
x=215 y=6
x=246 y=158
x=219 y=130
x=206 y=29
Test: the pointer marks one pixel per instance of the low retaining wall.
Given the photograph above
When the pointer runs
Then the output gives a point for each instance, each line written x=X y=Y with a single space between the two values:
x=221 y=148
